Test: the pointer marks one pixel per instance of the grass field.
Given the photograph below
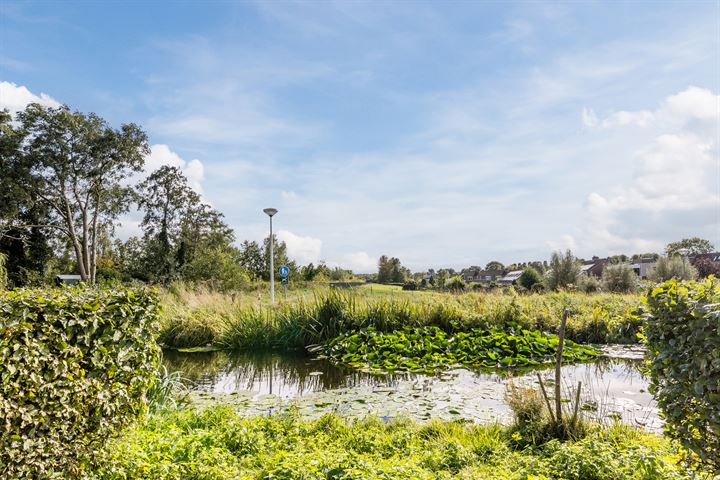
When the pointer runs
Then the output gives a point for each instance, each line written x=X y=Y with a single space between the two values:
x=196 y=317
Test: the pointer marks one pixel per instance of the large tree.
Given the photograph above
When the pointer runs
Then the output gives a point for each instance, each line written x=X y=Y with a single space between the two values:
x=72 y=169
x=689 y=247
x=177 y=223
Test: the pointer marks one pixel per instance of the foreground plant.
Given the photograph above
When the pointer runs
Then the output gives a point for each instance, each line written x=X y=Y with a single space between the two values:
x=219 y=443
x=683 y=347
x=430 y=349
x=75 y=366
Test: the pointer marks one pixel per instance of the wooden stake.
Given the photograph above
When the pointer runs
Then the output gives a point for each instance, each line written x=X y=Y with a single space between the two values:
x=558 y=365
x=545 y=396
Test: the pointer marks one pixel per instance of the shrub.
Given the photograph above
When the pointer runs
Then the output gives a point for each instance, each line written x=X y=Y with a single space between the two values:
x=683 y=339
x=529 y=278
x=564 y=271
x=75 y=366
x=455 y=283
x=620 y=278
x=588 y=283
x=676 y=267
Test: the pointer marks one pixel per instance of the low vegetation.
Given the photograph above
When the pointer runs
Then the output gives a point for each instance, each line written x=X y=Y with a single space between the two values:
x=194 y=318
x=429 y=349
x=218 y=443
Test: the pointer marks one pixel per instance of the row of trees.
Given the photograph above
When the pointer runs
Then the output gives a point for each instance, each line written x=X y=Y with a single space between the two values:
x=67 y=179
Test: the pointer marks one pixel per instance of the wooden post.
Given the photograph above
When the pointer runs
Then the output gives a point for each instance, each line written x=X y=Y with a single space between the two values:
x=547 y=400
x=558 y=365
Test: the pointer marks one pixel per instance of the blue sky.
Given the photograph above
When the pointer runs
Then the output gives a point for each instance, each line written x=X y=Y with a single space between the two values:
x=444 y=133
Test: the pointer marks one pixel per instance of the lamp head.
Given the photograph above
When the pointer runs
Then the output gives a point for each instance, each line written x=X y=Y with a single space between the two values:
x=270 y=211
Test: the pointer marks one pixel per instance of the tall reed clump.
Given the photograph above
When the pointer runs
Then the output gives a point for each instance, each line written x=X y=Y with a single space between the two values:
x=200 y=317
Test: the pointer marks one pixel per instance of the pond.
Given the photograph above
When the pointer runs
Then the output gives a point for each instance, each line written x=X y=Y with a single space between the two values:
x=613 y=387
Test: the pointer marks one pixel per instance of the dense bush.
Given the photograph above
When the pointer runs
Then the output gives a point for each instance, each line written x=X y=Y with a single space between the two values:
x=529 y=278
x=675 y=267
x=564 y=270
x=620 y=278
x=456 y=284
x=588 y=283
x=683 y=340
x=75 y=366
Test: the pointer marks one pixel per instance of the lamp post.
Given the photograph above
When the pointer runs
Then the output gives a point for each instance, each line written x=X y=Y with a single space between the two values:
x=270 y=212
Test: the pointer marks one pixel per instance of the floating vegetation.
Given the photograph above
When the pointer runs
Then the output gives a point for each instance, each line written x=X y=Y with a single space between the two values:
x=430 y=349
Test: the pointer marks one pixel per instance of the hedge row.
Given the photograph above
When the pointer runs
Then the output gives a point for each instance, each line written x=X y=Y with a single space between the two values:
x=75 y=366
x=682 y=330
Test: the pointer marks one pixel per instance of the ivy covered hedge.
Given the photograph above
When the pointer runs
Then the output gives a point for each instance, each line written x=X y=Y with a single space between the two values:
x=683 y=339
x=75 y=366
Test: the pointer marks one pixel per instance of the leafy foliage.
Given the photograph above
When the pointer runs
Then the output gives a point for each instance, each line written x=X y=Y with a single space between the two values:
x=75 y=366
x=620 y=278
x=683 y=340
x=564 y=271
x=676 y=267
x=689 y=247
x=429 y=349
x=71 y=169
x=218 y=443
x=529 y=277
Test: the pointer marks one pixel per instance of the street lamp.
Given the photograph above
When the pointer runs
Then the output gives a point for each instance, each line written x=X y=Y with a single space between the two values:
x=270 y=212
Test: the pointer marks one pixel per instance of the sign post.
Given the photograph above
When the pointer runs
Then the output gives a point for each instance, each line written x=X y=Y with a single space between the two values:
x=284 y=272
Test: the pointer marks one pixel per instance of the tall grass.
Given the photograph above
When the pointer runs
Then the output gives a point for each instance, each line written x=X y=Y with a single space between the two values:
x=198 y=317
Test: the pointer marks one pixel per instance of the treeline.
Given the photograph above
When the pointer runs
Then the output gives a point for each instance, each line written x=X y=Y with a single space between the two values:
x=69 y=177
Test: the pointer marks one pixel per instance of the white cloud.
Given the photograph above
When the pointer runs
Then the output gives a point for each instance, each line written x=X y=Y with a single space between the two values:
x=673 y=191
x=359 y=262
x=304 y=250
x=16 y=97
x=161 y=155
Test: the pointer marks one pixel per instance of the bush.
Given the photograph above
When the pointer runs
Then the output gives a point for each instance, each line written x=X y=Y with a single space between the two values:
x=410 y=285
x=620 y=278
x=455 y=283
x=564 y=271
x=588 y=283
x=683 y=339
x=75 y=366
x=529 y=278
x=678 y=268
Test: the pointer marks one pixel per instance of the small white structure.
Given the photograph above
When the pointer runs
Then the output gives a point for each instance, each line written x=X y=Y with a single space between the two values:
x=511 y=277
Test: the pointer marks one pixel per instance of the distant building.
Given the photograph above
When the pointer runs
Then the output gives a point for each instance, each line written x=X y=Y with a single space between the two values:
x=482 y=275
x=594 y=267
x=511 y=277
x=67 y=280
x=713 y=257
x=643 y=267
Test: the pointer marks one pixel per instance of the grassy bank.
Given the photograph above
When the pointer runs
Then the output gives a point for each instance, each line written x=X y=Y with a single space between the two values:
x=195 y=317
x=217 y=443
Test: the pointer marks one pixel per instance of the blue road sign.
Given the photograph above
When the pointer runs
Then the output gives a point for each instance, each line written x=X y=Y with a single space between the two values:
x=284 y=281
x=284 y=271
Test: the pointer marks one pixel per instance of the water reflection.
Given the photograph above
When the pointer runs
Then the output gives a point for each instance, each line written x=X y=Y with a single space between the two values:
x=283 y=375
x=290 y=376
x=262 y=383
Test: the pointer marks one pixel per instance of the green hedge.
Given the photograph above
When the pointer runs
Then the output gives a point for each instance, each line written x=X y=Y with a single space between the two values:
x=75 y=366
x=683 y=338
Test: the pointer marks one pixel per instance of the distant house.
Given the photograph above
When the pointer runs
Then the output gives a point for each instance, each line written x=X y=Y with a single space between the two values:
x=594 y=267
x=511 y=277
x=643 y=267
x=713 y=257
x=482 y=276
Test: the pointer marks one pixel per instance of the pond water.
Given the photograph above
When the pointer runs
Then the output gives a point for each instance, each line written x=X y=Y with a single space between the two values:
x=612 y=387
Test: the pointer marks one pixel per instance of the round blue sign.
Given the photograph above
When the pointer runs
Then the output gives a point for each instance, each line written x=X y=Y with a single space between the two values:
x=284 y=271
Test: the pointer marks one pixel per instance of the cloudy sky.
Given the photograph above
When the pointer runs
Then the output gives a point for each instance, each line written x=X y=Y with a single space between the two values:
x=444 y=133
